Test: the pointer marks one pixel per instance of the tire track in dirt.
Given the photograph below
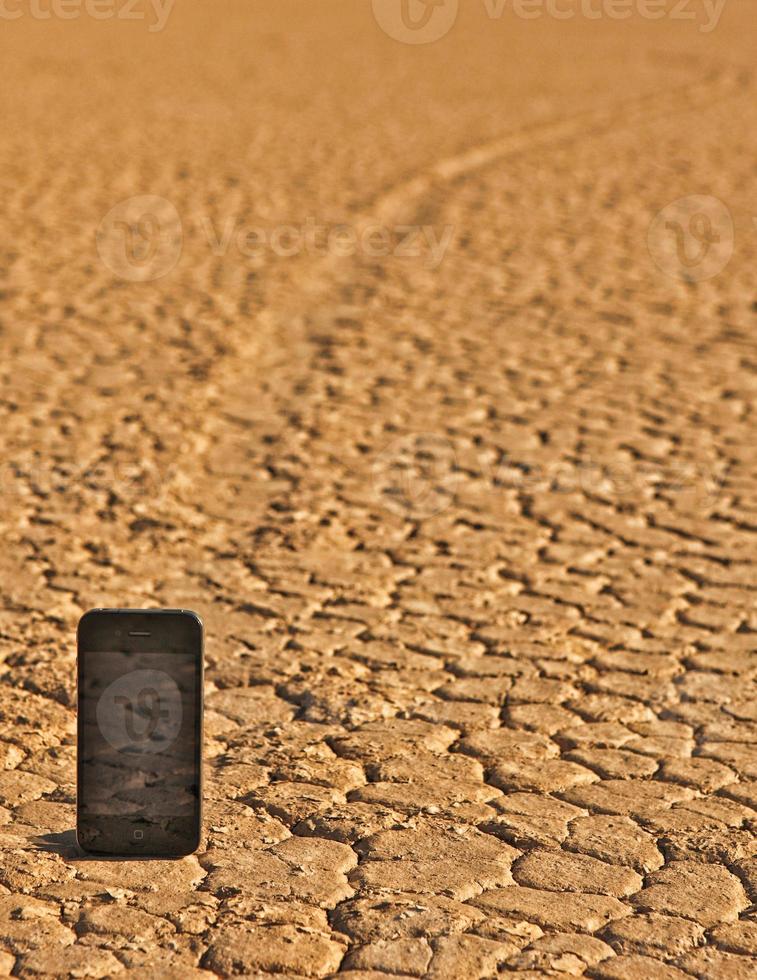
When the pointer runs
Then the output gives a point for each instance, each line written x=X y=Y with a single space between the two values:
x=290 y=330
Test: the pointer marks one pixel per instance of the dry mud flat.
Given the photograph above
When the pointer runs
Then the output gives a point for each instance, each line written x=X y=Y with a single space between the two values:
x=470 y=520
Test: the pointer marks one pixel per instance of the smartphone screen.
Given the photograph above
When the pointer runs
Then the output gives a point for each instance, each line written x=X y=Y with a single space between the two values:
x=139 y=732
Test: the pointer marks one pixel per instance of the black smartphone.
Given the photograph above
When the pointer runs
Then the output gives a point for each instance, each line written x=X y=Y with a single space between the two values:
x=139 y=732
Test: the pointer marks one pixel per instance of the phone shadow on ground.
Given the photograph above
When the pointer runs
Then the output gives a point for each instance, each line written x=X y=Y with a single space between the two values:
x=65 y=845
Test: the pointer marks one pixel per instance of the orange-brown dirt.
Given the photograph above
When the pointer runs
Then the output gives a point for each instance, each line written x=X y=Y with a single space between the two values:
x=470 y=520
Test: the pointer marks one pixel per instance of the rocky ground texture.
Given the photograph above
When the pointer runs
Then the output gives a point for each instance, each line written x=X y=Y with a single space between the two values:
x=471 y=527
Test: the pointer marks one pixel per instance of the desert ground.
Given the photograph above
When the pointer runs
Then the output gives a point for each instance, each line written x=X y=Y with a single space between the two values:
x=422 y=368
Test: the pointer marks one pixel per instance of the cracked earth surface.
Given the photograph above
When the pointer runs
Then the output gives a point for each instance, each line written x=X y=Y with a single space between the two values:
x=473 y=541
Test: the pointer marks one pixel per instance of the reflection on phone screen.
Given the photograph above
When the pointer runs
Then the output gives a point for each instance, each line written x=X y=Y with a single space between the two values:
x=138 y=779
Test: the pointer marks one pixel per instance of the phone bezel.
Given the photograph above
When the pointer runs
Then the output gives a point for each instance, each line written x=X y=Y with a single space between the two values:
x=178 y=629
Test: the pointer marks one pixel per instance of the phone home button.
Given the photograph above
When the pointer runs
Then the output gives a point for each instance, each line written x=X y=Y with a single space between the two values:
x=139 y=835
